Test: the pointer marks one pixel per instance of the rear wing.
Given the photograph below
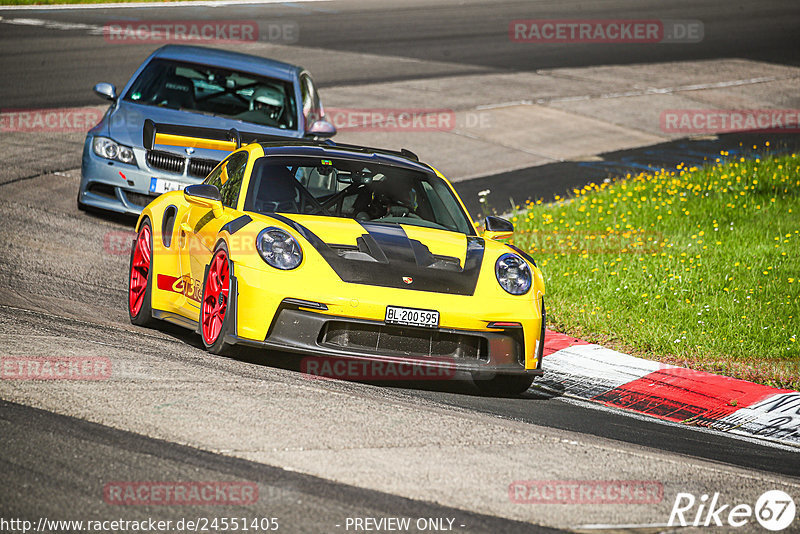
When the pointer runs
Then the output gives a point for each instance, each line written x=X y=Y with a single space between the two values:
x=230 y=140
x=199 y=137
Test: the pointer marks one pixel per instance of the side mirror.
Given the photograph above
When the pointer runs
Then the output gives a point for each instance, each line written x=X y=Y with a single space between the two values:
x=204 y=195
x=497 y=228
x=321 y=128
x=106 y=91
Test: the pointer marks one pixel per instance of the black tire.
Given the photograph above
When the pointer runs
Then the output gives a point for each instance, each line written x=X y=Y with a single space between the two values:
x=220 y=346
x=144 y=316
x=503 y=385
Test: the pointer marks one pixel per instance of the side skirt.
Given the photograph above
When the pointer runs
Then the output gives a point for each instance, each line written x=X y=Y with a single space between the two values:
x=175 y=318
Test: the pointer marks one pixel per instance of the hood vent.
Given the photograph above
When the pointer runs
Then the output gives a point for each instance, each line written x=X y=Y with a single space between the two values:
x=363 y=251
x=385 y=256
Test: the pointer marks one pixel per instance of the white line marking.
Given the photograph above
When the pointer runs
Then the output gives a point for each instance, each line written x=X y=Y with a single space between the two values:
x=140 y=5
x=509 y=104
x=91 y=29
x=572 y=98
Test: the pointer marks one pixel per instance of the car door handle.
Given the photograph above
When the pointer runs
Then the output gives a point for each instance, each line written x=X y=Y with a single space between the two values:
x=186 y=228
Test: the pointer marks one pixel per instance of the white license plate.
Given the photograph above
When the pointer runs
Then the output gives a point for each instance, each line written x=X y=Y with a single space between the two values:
x=159 y=185
x=412 y=317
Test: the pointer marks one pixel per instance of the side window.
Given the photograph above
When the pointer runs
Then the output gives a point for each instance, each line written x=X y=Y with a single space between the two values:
x=440 y=211
x=232 y=176
x=228 y=178
x=214 y=177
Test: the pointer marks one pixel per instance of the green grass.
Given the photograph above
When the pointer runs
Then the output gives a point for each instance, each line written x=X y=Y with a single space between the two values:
x=695 y=267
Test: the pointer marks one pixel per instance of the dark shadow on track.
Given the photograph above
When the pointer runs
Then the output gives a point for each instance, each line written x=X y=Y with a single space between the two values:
x=66 y=472
x=459 y=384
x=546 y=181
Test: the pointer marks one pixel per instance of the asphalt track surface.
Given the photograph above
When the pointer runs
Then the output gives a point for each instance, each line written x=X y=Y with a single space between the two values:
x=461 y=37
x=465 y=39
x=96 y=453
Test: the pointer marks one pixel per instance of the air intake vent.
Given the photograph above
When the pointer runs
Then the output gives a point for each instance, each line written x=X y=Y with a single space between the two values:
x=398 y=341
x=138 y=199
x=165 y=161
x=104 y=190
x=200 y=168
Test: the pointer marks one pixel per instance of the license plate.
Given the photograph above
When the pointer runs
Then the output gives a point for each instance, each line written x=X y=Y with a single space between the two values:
x=159 y=185
x=412 y=317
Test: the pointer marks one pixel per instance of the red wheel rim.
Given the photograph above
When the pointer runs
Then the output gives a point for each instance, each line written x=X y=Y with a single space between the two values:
x=215 y=301
x=140 y=268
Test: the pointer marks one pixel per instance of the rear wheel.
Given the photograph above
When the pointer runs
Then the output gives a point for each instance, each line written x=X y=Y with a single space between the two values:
x=216 y=311
x=140 y=280
x=503 y=385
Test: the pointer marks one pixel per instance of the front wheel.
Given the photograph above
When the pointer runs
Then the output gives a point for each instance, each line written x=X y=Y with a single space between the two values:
x=503 y=385
x=216 y=310
x=140 y=281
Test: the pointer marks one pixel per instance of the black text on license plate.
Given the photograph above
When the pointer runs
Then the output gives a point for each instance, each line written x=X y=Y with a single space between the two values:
x=412 y=317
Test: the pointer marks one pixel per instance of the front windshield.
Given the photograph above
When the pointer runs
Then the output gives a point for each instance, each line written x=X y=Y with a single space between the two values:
x=216 y=91
x=354 y=189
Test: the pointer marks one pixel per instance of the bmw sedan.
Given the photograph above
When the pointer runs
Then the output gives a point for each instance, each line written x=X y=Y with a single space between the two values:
x=198 y=87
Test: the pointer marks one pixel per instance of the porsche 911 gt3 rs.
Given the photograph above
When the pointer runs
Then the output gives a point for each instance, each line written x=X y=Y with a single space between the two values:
x=331 y=250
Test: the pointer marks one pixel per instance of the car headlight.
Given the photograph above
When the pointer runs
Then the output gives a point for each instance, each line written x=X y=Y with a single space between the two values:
x=279 y=248
x=110 y=149
x=513 y=274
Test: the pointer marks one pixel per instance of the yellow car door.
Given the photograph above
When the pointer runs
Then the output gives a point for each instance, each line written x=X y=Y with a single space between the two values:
x=201 y=224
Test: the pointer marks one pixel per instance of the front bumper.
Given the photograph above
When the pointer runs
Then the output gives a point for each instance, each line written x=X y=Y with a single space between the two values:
x=119 y=187
x=346 y=319
x=317 y=335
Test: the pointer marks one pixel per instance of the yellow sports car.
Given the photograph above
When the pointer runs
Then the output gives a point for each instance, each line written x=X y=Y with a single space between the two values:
x=330 y=250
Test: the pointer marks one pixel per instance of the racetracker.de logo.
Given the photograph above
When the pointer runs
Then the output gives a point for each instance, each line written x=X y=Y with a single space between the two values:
x=586 y=492
x=195 y=31
x=344 y=369
x=563 y=31
x=120 y=242
x=57 y=120
x=55 y=368
x=151 y=493
x=391 y=119
x=697 y=121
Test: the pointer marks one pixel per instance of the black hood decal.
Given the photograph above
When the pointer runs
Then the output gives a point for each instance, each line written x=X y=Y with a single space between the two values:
x=385 y=256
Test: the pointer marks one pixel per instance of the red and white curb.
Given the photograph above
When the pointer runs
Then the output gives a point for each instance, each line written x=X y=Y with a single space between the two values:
x=668 y=392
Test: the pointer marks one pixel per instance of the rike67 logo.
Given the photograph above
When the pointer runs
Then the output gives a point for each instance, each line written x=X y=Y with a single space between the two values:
x=774 y=510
